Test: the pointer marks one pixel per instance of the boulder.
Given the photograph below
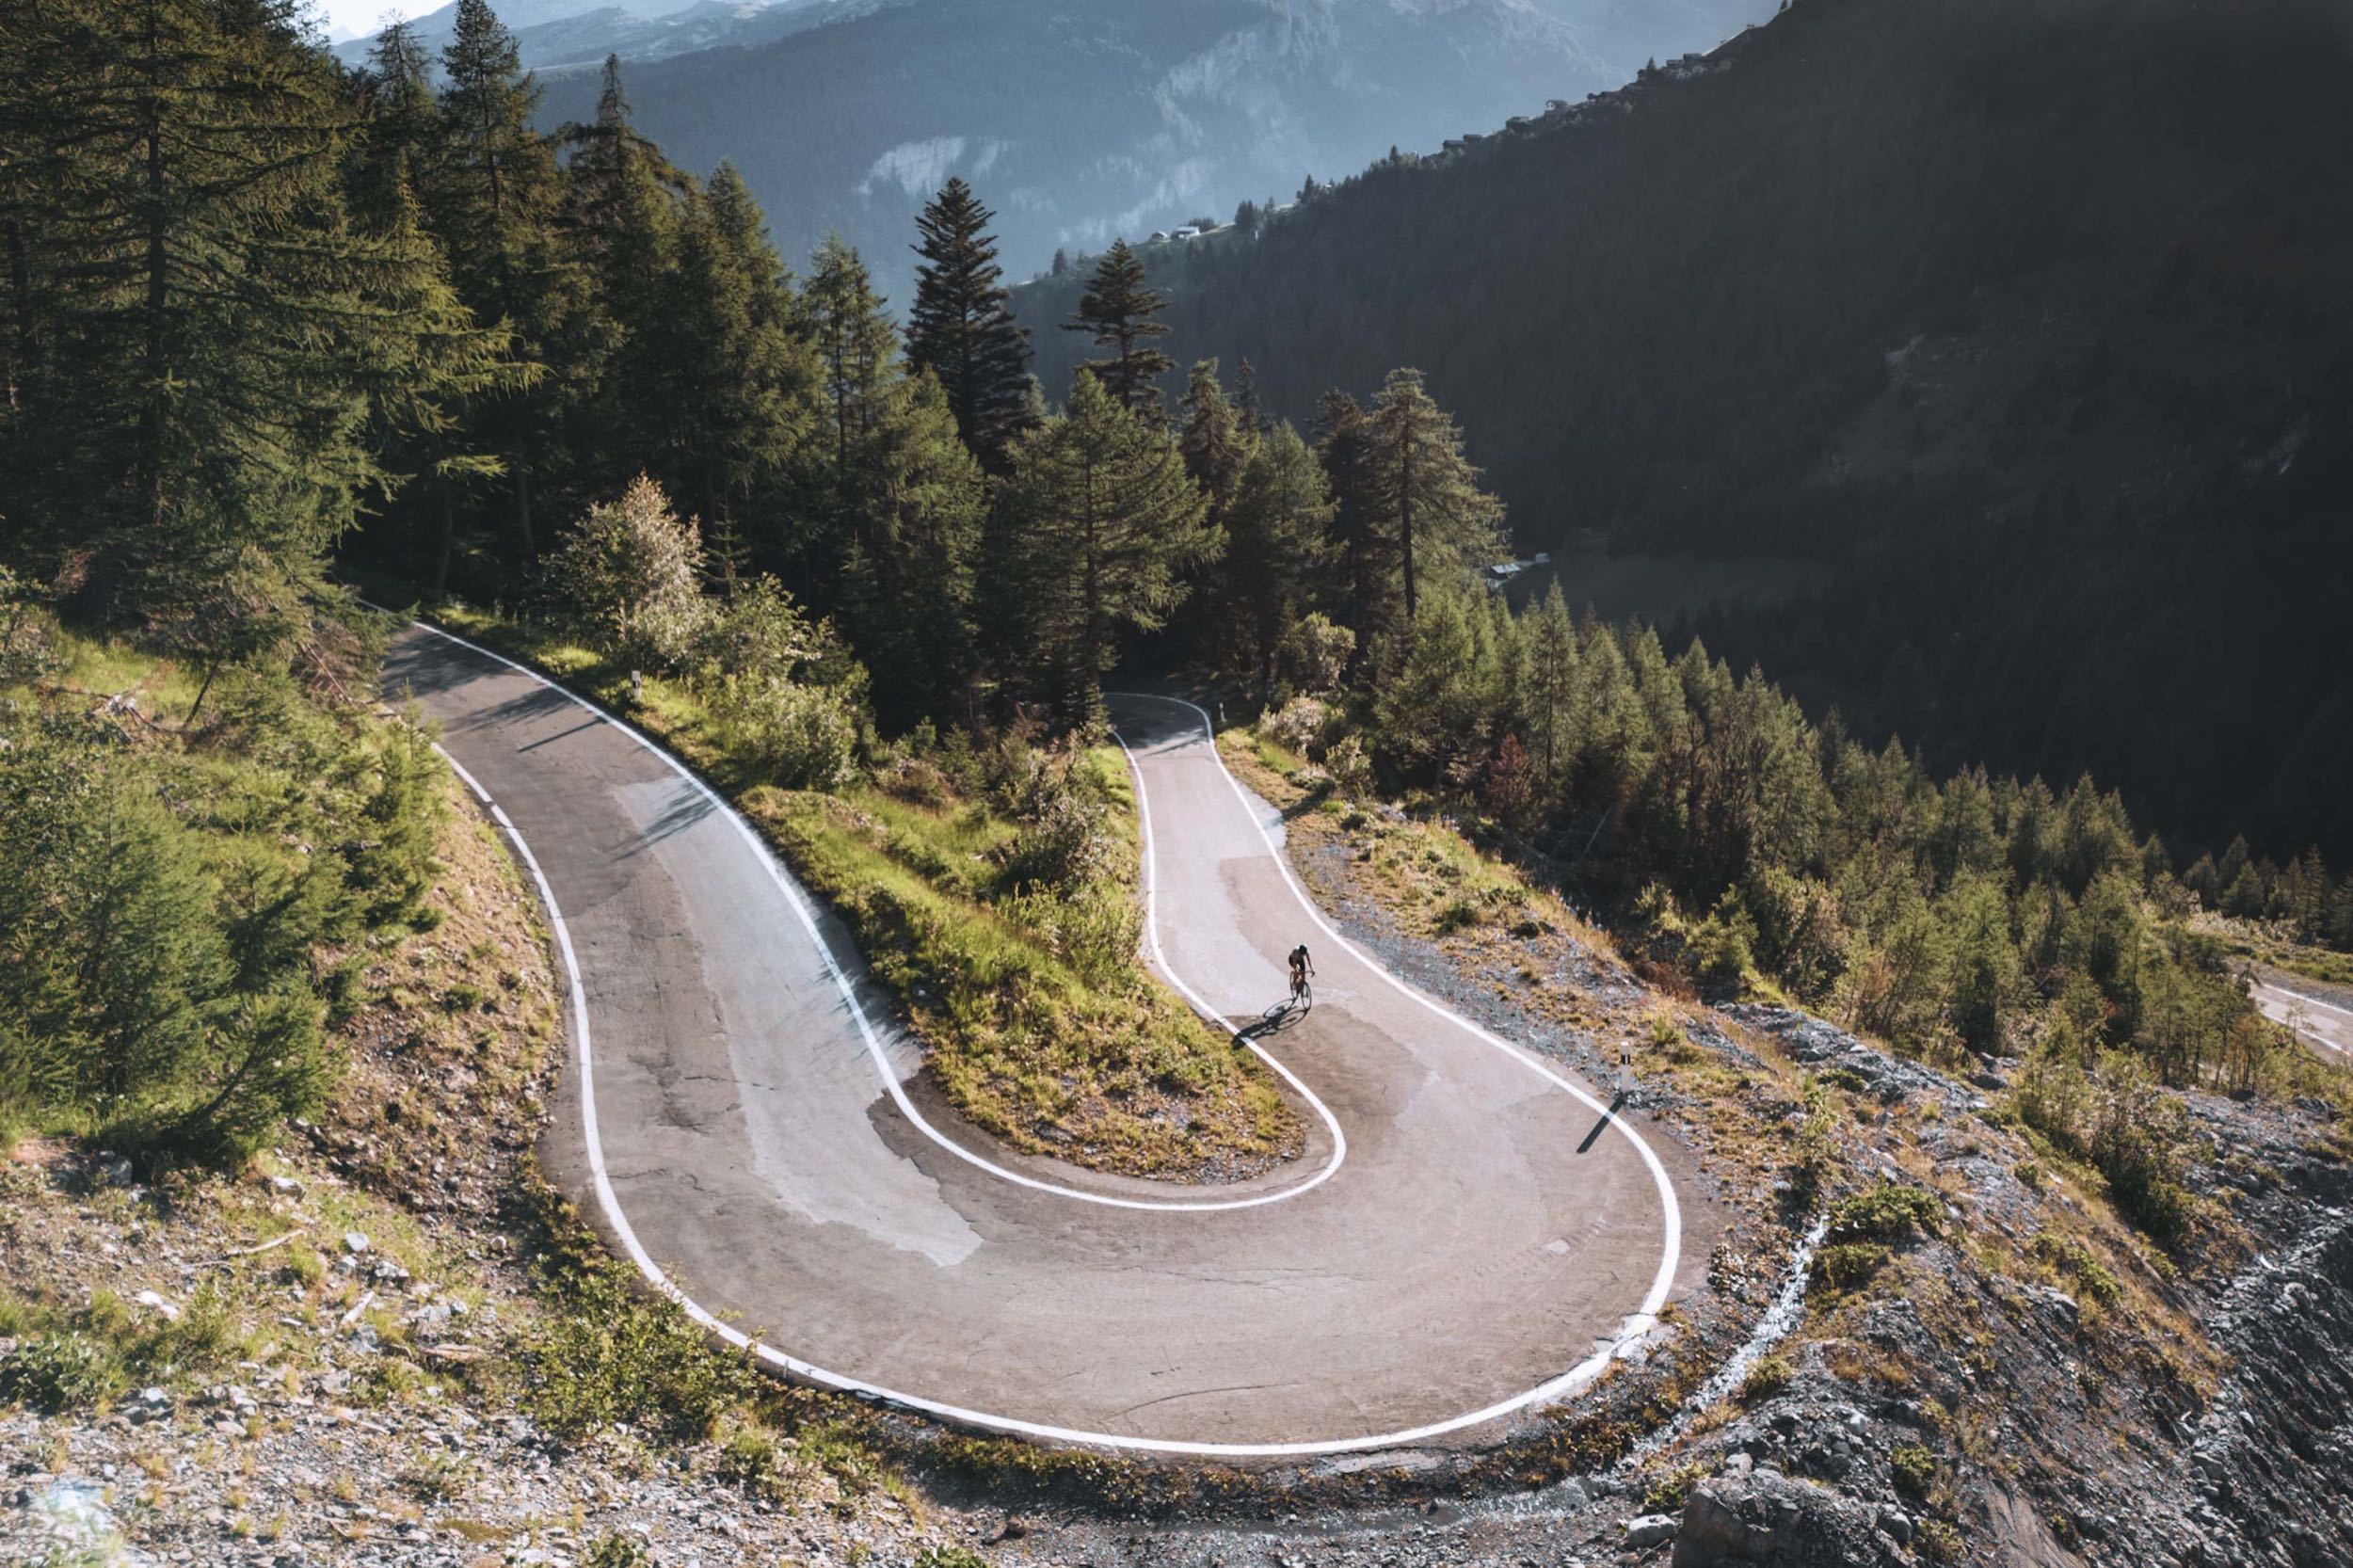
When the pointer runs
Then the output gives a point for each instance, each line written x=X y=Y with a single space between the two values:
x=1649 y=1531
x=1765 y=1520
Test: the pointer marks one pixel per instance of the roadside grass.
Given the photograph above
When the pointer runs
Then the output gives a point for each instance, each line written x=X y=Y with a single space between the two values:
x=1040 y=1024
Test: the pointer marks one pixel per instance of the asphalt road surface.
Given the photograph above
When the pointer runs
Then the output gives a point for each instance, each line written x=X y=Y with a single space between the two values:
x=2326 y=1023
x=1456 y=1245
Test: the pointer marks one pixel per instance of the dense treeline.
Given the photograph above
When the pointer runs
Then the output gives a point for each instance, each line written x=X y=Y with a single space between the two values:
x=2113 y=467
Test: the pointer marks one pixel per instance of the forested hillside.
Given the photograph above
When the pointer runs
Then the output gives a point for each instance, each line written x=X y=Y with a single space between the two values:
x=1087 y=118
x=2032 y=317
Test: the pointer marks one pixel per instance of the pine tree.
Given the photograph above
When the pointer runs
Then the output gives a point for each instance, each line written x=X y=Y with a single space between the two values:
x=1275 y=527
x=492 y=201
x=1344 y=447
x=961 y=327
x=856 y=354
x=1106 y=526
x=215 y=340
x=745 y=387
x=1118 y=309
x=1424 y=494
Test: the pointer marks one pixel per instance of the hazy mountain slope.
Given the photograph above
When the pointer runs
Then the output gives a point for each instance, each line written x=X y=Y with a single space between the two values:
x=1081 y=119
x=2035 y=316
x=557 y=36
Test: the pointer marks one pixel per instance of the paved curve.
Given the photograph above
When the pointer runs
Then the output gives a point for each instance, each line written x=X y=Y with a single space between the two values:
x=748 y=1125
x=2324 y=1022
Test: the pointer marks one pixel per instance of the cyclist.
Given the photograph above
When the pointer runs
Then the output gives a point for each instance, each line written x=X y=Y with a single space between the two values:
x=1302 y=966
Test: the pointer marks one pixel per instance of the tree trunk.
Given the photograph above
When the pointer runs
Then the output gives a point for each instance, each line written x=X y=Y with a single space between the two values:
x=522 y=510
x=151 y=478
x=448 y=543
x=1405 y=519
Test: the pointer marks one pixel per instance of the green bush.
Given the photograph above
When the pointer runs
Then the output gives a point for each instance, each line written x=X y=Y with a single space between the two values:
x=1891 y=1211
x=614 y=1550
x=1913 y=1469
x=748 y=1459
x=59 y=1371
x=2071 y=1259
x=1768 y=1375
x=1844 y=1268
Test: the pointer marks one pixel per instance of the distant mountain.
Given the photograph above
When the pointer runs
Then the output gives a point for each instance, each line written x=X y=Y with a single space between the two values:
x=2031 y=319
x=1078 y=119
x=558 y=35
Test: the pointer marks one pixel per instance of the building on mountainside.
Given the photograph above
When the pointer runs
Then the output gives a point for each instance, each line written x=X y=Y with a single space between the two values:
x=1159 y=236
x=1187 y=233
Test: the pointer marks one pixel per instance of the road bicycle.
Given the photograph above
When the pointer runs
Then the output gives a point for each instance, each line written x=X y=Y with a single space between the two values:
x=1303 y=993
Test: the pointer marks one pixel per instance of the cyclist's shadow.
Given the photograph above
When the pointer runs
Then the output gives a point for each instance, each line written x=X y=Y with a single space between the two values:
x=1280 y=1016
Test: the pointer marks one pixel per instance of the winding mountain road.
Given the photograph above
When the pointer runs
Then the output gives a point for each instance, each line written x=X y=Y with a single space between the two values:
x=1464 y=1239
x=2324 y=1022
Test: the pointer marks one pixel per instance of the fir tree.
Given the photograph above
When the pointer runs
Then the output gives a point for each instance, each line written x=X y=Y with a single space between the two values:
x=910 y=584
x=1108 y=525
x=961 y=327
x=1117 y=311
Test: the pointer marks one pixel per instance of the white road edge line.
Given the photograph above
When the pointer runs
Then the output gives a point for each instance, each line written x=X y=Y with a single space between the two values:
x=2303 y=998
x=1672 y=1250
x=840 y=976
x=609 y=1202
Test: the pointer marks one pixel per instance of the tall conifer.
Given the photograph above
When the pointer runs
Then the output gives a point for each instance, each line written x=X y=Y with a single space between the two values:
x=961 y=327
x=1119 y=310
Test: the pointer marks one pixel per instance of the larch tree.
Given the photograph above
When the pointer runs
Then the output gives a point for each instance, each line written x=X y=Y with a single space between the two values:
x=961 y=327
x=1344 y=448
x=1108 y=526
x=1120 y=311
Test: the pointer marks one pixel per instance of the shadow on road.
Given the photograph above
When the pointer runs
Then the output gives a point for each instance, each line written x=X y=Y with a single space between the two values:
x=1616 y=1101
x=1280 y=1016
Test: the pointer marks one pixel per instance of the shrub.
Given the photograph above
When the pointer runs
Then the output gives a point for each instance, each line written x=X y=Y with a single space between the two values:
x=1845 y=1266
x=2071 y=1259
x=1666 y=1493
x=616 y=1550
x=1913 y=1469
x=1064 y=844
x=748 y=1459
x=1295 y=726
x=798 y=736
x=631 y=571
x=1767 y=1376
x=59 y=1371
x=1892 y=1211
